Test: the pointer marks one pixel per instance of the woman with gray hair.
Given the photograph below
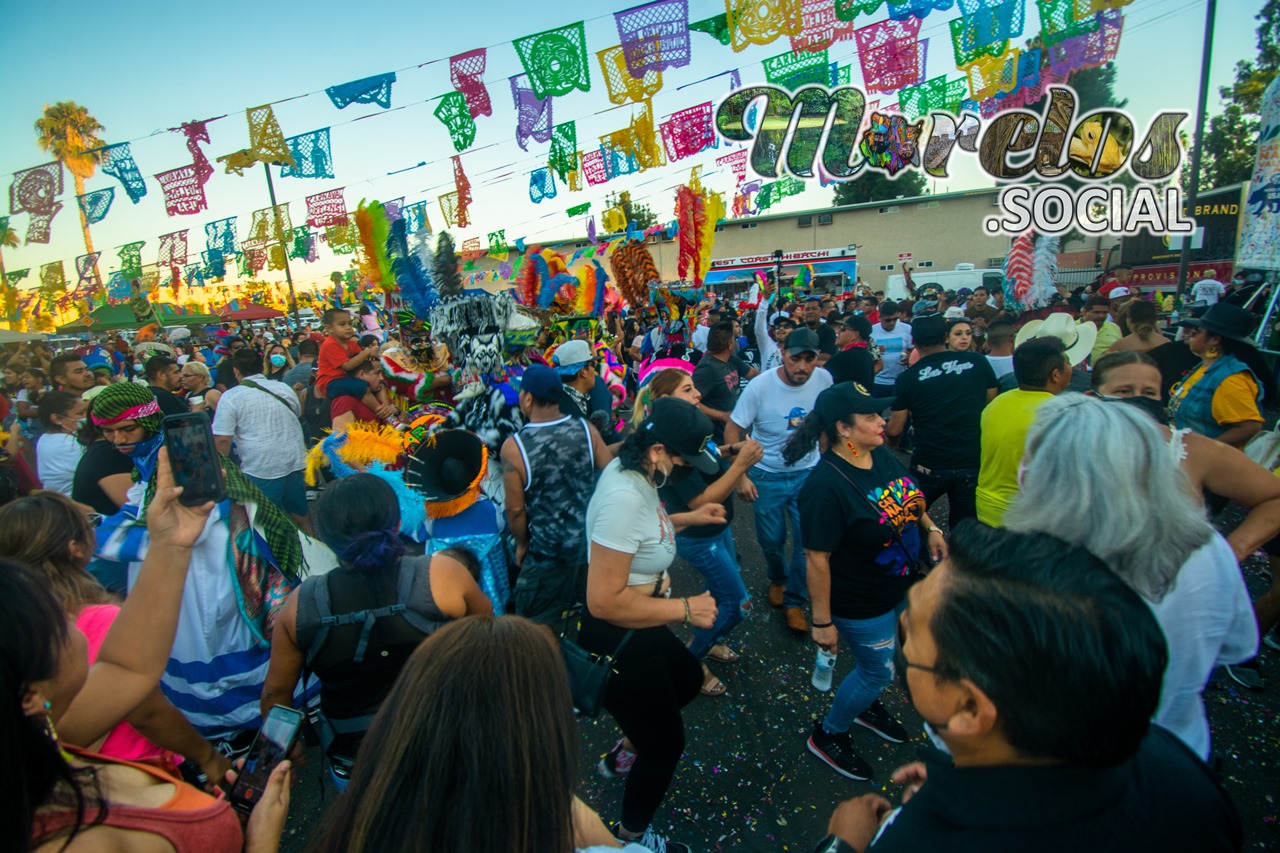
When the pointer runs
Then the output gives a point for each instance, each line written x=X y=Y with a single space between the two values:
x=1101 y=475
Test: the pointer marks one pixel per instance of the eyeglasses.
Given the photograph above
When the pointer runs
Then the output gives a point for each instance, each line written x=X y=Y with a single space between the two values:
x=902 y=655
x=94 y=518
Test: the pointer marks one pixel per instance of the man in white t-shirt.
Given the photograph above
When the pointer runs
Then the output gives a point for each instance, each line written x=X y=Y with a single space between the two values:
x=262 y=416
x=1208 y=289
x=893 y=339
x=699 y=338
x=772 y=407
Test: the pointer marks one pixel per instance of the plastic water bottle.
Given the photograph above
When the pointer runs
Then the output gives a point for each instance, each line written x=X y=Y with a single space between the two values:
x=823 y=670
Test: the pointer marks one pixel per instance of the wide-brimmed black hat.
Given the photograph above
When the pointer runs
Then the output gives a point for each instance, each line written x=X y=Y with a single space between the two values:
x=1226 y=321
x=448 y=466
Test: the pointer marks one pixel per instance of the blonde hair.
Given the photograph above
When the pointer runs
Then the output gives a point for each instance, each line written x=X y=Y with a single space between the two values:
x=38 y=530
x=663 y=384
x=199 y=369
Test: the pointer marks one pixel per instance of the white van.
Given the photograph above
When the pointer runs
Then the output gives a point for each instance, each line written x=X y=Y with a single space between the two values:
x=964 y=275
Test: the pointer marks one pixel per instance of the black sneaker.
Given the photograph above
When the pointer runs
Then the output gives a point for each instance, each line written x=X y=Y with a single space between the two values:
x=652 y=841
x=878 y=719
x=838 y=753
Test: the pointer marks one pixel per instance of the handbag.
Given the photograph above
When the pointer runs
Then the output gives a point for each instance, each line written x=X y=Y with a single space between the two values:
x=589 y=673
x=1264 y=448
x=916 y=567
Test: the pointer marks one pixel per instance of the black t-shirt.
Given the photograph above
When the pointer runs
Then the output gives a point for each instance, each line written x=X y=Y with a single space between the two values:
x=1163 y=798
x=847 y=512
x=684 y=485
x=946 y=393
x=826 y=338
x=717 y=381
x=169 y=404
x=100 y=460
x=855 y=364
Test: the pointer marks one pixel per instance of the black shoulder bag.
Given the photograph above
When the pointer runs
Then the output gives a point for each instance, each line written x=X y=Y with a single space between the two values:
x=589 y=673
x=916 y=568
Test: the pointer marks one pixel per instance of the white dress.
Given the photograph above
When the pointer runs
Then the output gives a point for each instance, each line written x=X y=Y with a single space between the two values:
x=1208 y=621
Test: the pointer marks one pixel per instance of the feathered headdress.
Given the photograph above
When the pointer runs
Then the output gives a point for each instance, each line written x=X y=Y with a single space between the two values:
x=413 y=267
x=375 y=228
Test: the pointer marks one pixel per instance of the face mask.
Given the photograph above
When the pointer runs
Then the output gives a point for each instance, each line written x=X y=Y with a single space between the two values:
x=1154 y=408
x=931 y=728
x=137 y=368
x=80 y=423
x=144 y=455
x=277 y=361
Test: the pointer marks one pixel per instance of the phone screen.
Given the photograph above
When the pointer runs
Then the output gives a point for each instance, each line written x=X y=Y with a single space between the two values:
x=271 y=746
x=194 y=458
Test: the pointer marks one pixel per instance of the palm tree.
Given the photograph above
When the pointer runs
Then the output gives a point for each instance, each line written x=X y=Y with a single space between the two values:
x=67 y=131
x=8 y=240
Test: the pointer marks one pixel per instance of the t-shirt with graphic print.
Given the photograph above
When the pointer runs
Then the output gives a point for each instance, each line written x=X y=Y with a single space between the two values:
x=717 y=382
x=851 y=514
x=773 y=410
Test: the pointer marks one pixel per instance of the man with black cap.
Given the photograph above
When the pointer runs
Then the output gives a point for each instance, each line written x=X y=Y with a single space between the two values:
x=826 y=334
x=772 y=407
x=549 y=470
x=943 y=394
x=855 y=362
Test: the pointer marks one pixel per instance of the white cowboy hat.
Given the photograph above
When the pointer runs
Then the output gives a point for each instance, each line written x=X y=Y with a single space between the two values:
x=1079 y=337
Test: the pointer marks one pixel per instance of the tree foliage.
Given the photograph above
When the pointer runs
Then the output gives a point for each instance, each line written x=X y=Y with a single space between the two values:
x=639 y=214
x=1230 y=141
x=877 y=186
x=68 y=132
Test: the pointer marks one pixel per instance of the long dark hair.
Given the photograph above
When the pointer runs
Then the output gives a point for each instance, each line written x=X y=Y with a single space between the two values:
x=359 y=518
x=811 y=429
x=480 y=711
x=34 y=629
x=633 y=454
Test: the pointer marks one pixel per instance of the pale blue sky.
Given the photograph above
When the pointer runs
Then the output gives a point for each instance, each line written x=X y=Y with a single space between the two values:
x=142 y=66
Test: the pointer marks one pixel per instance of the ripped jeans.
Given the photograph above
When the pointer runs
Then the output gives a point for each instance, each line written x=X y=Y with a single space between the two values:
x=872 y=642
x=716 y=559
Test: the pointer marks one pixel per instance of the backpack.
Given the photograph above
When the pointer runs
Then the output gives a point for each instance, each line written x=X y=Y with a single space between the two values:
x=316 y=420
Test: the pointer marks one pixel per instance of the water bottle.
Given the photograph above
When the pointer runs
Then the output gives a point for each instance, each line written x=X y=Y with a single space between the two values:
x=823 y=670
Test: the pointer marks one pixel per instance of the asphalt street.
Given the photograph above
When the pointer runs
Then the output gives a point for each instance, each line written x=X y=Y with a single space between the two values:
x=747 y=782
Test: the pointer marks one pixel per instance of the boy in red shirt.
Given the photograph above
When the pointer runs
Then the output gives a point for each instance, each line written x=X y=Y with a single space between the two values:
x=340 y=353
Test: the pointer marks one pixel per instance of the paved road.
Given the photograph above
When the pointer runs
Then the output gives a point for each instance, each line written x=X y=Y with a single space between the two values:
x=748 y=783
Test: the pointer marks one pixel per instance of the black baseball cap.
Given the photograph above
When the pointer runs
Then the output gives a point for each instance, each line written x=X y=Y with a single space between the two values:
x=929 y=330
x=803 y=339
x=685 y=431
x=846 y=398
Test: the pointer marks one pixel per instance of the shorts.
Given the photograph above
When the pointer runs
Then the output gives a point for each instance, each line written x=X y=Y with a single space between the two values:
x=288 y=492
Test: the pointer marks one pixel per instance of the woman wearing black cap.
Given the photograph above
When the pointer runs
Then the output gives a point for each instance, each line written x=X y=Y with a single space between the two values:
x=631 y=544
x=864 y=526
x=1221 y=397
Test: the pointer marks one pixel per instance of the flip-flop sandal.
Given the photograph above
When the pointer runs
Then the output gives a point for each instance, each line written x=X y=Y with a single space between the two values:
x=723 y=653
x=712 y=686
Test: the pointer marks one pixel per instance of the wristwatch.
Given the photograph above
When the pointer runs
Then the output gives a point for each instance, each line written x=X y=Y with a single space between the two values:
x=834 y=844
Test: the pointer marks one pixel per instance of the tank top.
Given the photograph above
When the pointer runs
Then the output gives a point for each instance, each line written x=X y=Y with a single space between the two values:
x=560 y=474
x=192 y=821
x=354 y=680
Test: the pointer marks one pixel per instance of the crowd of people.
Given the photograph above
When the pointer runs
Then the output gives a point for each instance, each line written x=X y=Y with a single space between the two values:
x=1008 y=517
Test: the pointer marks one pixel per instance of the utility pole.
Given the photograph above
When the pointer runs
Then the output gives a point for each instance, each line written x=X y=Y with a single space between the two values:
x=288 y=276
x=1194 y=190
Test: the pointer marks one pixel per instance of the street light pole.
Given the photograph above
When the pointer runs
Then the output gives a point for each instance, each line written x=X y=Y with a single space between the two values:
x=288 y=275
x=1193 y=191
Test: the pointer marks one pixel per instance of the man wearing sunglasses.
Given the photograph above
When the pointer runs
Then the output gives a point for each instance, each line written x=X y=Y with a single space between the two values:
x=1036 y=671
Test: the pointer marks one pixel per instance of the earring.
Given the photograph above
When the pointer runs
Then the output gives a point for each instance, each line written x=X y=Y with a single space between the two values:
x=852 y=449
x=1212 y=352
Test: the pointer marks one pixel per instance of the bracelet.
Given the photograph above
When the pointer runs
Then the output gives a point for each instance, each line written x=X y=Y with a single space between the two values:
x=822 y=624
x=935 y=530
x=685 y=602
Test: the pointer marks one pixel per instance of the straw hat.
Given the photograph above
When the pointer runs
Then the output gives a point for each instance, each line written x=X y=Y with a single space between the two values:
x=1078 y=337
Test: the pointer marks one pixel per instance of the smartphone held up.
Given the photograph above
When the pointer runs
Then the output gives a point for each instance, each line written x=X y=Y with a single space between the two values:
x=194 y=458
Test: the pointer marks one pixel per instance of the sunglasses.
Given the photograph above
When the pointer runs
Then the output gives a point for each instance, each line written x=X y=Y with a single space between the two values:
x=902 y=655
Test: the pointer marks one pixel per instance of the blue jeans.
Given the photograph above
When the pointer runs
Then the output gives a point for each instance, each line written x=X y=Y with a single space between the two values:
x=779 y=497
x=716 y=558
x=288 y=492
x=872 y=642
